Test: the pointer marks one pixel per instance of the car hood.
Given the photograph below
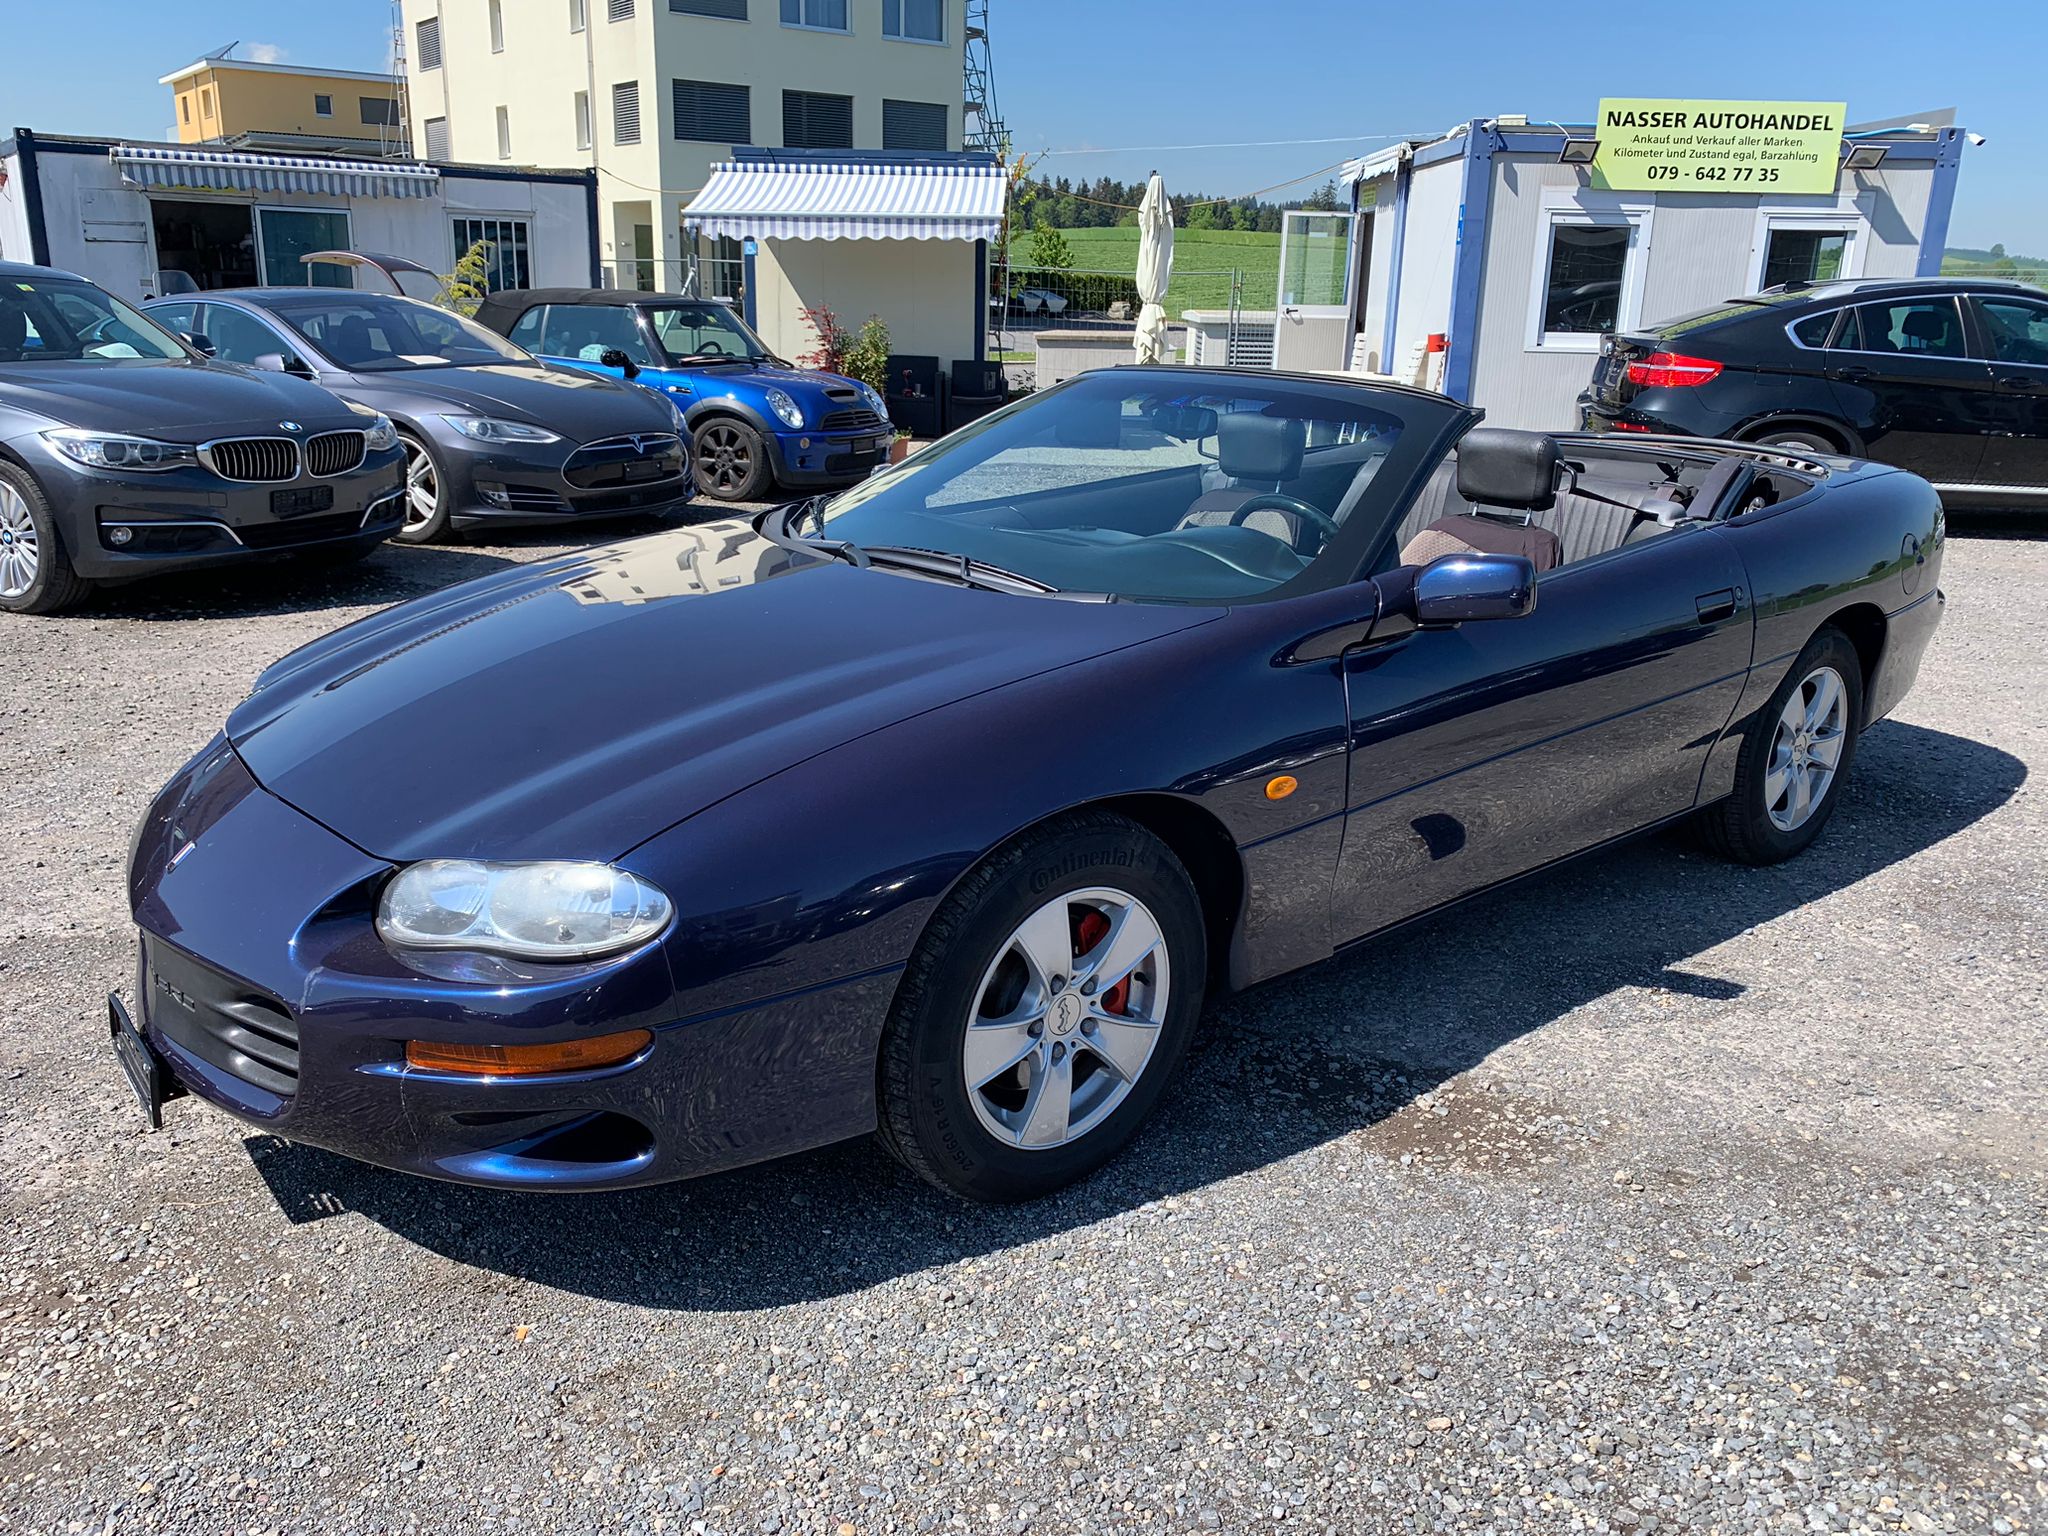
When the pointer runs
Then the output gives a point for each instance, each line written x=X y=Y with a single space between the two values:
x=805 y=386
x=179 y=401
x=576 y=707
x=581 y=406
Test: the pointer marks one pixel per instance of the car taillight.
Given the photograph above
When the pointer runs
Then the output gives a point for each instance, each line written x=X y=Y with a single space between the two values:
x=1671 y=370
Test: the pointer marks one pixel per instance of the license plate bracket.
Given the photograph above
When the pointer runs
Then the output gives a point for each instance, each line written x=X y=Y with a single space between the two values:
x=145 y=1070
x=299 y=500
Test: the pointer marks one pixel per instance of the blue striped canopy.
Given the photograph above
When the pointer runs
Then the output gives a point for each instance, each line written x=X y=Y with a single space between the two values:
x=217 y=170
x=790 y=197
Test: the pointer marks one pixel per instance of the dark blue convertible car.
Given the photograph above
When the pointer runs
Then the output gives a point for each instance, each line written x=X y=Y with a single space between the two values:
x=937 y=808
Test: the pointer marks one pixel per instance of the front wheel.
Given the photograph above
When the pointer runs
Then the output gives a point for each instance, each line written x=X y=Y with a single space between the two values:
x=35 y=573
x=426 y=494
x=1044 y=1012
x=730 y=459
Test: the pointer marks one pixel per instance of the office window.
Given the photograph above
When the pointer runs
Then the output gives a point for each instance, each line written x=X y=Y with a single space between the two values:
x=1588 y=276
x=618 y=10
x=428 y=46
x=508 y=265
x=922 y=21
x=713 y=111
x=504 y=134
x=378 y=111
x=827 y=15
x=579 y=15
x=626 y=112
x=497 y=26
x=323 y=106
x=583 y=119
x=437 y=138
x=1804 y=256
x=724 y=10
x=813 y=120
x=913 y=125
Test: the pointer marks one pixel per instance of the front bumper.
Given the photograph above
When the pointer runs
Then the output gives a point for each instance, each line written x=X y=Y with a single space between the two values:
x=510 y=483
x=802 y=459
x=265 y=991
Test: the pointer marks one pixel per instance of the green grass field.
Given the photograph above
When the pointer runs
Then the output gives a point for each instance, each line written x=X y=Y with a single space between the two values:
x=1203 y=260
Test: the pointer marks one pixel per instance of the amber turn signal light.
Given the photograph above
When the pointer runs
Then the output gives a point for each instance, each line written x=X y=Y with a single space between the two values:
x=527 y=1060
x=1281 y=788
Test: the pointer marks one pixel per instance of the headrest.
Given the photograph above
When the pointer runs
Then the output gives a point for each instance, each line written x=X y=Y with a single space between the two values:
x=1501 y=467
x=1254 y=447
x=1925 y=325
x=13 y=326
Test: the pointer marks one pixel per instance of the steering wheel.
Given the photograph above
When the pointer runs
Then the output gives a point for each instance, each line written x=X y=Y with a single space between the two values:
x=1315 y=517
x=709 y=349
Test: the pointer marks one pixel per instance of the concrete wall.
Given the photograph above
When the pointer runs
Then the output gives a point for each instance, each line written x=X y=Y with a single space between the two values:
x=544 y=64
x=1699 y=250
x=923 y=290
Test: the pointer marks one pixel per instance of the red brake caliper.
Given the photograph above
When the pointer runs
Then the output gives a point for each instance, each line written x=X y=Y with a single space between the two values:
x=1090 y=929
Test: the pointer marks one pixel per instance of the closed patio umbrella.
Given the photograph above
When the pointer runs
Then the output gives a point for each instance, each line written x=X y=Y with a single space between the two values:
x=1155 y=270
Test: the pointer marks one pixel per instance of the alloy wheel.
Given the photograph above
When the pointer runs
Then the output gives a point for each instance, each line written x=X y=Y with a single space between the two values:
x=1066 y=1018
x=724 y=461
x=20 y=550
x=1806 y=749
x=422 y=487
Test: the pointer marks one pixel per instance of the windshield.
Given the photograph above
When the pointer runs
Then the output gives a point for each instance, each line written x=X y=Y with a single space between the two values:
x=373 y=333
x=699 y=331
x=1150 y=483
x=64 y=320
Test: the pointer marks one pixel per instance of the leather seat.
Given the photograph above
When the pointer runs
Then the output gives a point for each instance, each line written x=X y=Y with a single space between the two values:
x=1582 y=526
x=13 y=332
x=1257 y=454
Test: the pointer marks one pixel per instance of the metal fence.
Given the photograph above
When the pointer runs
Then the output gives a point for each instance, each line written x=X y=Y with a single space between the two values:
x=718 y=277
x=1026 y=299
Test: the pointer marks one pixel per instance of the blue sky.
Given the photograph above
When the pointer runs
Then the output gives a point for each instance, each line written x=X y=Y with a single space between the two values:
x=1114 y=74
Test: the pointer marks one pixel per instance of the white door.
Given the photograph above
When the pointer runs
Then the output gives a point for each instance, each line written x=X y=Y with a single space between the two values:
x=1315 y=290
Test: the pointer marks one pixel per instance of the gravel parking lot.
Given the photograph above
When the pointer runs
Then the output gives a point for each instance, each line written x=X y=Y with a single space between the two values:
x=1656 y=1195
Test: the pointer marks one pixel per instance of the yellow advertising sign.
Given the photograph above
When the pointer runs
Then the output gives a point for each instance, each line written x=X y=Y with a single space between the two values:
x=1718 y=146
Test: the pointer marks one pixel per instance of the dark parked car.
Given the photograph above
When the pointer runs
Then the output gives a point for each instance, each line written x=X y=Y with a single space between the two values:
x=491 y=434
x=755 y=422
x=1943 y=376
x=125 y=453
x=938 y=807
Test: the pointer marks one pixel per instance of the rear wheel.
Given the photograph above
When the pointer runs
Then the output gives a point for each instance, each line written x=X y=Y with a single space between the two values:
x=730 y=459
x=1045 y=1011
x=1795 y=754
x=426 y=495
x=1798 y=440
x=35 y=573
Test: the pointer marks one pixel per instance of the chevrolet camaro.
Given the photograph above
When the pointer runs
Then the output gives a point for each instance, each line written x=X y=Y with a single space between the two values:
x=936 y=808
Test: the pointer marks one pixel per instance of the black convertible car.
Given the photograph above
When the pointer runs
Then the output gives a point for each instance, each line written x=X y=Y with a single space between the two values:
x=937 y=807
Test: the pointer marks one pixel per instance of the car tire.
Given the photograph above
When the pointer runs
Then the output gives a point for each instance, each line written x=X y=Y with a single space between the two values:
x=730 y=460
x=426 y=493
x=1780 y=802
x=1797 y=440
x=35 y=573
x=1088 y=1056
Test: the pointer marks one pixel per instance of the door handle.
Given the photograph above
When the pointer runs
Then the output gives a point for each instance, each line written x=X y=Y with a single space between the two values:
x=1852 y=375
x=2015 y=381
x=1713 y=607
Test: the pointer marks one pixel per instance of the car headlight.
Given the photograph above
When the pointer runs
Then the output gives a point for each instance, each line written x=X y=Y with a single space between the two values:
x=116 y=450
x=494 y=429
x=380 y=434
x=790 y=413
x=873 y=396
x=542 y=910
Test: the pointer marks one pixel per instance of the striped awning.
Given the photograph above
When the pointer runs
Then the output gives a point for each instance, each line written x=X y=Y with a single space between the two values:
x=789 y=197
x=218 y=170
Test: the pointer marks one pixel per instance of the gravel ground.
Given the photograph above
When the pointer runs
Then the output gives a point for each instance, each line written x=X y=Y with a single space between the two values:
x=1656 y=1195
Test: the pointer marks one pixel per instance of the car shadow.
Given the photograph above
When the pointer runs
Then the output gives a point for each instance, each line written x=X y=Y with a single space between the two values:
x=1279 y=1069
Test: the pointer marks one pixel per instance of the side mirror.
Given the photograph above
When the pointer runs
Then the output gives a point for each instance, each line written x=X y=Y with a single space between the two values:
x=612 y=357
x=272 y=362
x=199 y=342
x=1459 y=588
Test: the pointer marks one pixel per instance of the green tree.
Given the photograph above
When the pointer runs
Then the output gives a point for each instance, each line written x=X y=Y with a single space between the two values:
x=1049 y=247
x=465 y=288
x=1202 y=216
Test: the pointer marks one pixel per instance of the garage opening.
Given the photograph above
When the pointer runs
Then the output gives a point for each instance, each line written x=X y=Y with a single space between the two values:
x=212 y=244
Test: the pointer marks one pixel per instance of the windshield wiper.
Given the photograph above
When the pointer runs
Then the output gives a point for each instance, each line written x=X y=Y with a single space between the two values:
x=964 y=569
x=775 y=524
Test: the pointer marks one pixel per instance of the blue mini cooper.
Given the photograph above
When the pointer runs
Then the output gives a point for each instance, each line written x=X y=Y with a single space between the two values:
x=755 y=421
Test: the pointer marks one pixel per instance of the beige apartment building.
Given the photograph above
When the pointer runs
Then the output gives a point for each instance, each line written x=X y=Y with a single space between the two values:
x=653 y=93
x=240 y=102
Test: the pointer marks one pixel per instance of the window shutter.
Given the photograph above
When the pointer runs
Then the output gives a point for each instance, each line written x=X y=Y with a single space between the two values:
x=724 y=10
x=813 y=120
x=429 y=33
x=626 y=111
x=437 y=138
x=713 y=111
x=913 y=125
x=619 y=10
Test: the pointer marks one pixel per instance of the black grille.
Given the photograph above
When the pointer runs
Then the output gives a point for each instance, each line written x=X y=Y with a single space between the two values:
x=300 y=530
x=613 y=462
x=525 y=498
x=852 y=421
x=225 y=1022
x=254 y=458
x=334 y=453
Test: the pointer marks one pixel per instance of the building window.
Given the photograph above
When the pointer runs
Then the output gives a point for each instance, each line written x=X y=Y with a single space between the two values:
x=1589 y=276
x=323 y=106
x=626 y=112
x=507 y=265
x=185 y=108
x=913 y=125
x=497 y=26
x=1804 y=256
x=504 y=134
x=428 y=48
x=724 y=10
x=378 y=111
x=583 y=119
x=918 y=21
x=618 y=10
x=579 y=15
x=437 y=138
x=813 y=120
x=206 y=102
x=286 y=234
x=825 y=15
x=713 y=112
